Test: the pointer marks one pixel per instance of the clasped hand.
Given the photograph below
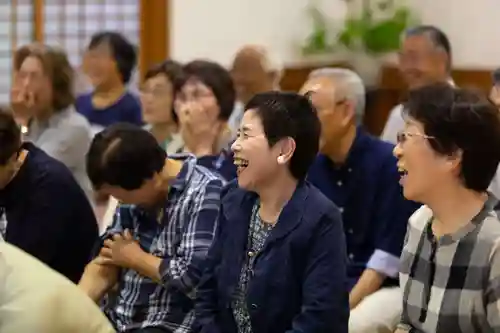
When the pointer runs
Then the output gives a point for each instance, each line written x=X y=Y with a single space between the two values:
x=120 y=250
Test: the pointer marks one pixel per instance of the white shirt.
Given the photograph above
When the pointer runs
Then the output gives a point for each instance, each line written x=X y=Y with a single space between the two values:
x=35 y=298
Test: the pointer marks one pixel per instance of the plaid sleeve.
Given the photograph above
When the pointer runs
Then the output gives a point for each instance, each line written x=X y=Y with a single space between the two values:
x=493 y=290
x=184 y=270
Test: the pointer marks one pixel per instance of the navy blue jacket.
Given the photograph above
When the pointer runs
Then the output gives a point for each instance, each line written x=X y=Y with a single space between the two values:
x=299 y=282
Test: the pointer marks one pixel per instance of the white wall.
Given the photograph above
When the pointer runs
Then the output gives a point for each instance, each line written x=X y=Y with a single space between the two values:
x=472 y=26
x=217 y=28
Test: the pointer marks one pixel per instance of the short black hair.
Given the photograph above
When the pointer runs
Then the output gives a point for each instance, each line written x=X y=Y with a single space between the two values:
x=287 y=114
x=123 y=52
x=438 y=38
x=124 y=155
x=460 y=120
x=10 y=136
x=174 y=72
x=218 y=79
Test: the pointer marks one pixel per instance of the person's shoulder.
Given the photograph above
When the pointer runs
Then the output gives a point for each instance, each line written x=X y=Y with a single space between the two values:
x=131 y=100
x=75 y=121
x=49 y=174
x=31 y=292
x=318 y=204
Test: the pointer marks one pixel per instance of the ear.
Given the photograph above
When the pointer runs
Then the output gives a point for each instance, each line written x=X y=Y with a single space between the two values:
x=287 y=148
x=347 y=110
x=454 y=161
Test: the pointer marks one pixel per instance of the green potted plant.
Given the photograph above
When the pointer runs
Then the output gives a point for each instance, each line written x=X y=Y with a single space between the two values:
x=372 y=29
x=374 y=32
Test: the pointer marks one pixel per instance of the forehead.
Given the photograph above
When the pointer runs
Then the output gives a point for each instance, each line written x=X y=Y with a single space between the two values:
x=417 y=42
x=251 y=120
x=194 y=83
x=319 y=85
x=158 y=80
x=32 y=63
x=248 y=57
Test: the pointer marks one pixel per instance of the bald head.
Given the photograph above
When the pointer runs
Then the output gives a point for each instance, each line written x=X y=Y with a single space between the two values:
x=255 y=70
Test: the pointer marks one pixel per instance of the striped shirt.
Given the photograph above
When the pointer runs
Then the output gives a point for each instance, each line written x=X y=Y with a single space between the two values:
x=451 y=284
x=182 y=239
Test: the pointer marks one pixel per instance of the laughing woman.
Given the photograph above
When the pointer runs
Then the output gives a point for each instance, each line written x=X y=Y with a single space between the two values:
x=278 y=262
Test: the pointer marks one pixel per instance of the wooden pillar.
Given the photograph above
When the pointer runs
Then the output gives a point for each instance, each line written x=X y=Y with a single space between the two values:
x=154 y=33
x=38 y=21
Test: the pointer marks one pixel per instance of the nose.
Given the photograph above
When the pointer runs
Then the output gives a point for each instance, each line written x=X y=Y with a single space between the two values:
x=397 y=151
x=235 y=147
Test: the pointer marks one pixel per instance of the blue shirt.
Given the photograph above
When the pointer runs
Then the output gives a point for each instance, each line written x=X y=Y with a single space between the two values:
x=181 y=239
x=375 y=214
x=48 y=215
x=126 y=109
x=297 y=279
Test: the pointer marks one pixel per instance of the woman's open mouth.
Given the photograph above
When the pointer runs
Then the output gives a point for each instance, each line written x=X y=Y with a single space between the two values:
x=241 y=164
x=403 y=173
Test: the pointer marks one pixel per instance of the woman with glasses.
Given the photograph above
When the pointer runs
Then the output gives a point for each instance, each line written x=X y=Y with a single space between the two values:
x=450 y=267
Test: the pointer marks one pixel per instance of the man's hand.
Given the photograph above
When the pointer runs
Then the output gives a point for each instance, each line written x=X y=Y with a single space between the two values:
x=97 y=279
x=121 y=250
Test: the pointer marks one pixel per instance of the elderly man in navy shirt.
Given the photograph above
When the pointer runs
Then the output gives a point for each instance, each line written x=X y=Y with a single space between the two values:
x=43 y=210
x=358 y=173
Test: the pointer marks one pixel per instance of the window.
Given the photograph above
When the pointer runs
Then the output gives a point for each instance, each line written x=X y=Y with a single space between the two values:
x=16 y=29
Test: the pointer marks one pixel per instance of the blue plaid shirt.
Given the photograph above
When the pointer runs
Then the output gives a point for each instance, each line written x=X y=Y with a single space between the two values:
x=182 y=239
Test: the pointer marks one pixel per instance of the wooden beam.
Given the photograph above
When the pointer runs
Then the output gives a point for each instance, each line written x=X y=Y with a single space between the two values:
x=38 y=20
x=154 y=33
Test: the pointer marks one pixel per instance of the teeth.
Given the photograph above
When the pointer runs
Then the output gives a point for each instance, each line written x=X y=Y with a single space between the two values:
x=240 y=162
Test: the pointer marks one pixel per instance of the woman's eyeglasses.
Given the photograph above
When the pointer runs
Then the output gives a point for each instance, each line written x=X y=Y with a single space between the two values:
x=403 y=136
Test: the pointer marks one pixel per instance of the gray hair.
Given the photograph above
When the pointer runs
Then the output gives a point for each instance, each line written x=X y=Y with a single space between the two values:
x=352 y=85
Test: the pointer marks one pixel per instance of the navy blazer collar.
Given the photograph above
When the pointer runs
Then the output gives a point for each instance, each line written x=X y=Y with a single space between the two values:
x=238 y=210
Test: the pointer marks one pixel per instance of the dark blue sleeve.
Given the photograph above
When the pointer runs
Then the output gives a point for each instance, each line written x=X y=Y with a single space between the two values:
x=325 y=297
x=393 y=211
x=206 y=296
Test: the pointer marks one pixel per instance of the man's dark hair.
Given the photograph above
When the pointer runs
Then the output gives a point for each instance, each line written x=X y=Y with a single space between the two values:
x=460 y=120
x=174 y=73
x=286 y=114
x=436 y=36
x=10 y=136
x=124 y=155
x=218 y=79
x=123 y=52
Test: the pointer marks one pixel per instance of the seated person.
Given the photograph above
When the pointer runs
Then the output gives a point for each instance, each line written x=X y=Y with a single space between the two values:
x=450 y=267
x=34 y=298
x=157 y=98
x=163 y=227
x=204 y=102
x=358 y=173
x=278 y=262
x=255 y=69
x=43 y=209
x=42 y=99
x=109 y=62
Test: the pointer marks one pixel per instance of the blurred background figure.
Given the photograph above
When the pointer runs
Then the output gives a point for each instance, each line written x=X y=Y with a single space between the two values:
x=204 y=103
x=42 y=100
x=255 y=69
x=109 y=62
